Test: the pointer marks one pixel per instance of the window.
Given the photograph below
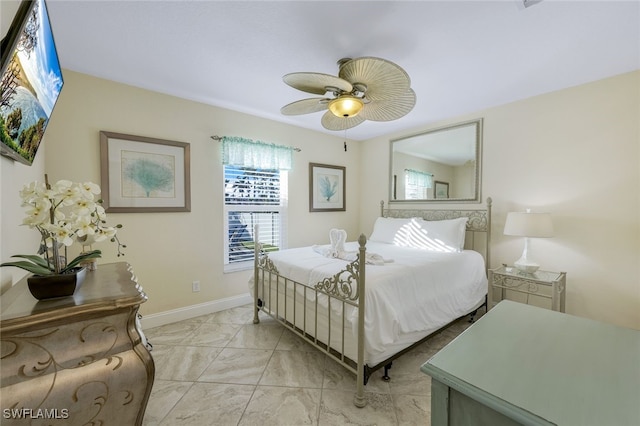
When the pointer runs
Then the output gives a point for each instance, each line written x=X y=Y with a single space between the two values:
x=255 y=188
x=417 y=184
x=253 y=197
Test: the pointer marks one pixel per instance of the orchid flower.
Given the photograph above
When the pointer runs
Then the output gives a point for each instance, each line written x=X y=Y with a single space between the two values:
x=64 y=213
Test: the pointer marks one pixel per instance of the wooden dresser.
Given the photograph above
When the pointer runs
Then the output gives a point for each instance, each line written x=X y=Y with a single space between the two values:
x=524 y=365
x=76 y=360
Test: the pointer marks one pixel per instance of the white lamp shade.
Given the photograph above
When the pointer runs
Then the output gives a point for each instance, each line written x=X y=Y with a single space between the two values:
x=526 y=224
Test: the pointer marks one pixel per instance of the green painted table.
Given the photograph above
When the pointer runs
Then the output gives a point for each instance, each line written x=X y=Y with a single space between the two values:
x=521 y=364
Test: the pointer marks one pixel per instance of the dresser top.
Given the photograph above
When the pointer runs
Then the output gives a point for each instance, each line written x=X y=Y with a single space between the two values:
x=111 y=286
x=543 y=366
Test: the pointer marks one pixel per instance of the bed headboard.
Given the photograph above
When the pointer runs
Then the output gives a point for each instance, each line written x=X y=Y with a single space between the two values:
x=478 y=235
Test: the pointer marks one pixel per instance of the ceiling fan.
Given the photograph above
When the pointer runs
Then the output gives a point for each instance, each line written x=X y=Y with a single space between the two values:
x=366 y=88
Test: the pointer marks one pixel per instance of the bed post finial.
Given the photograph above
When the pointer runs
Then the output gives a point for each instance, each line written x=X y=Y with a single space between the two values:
x=381 y=208
x=362 y=240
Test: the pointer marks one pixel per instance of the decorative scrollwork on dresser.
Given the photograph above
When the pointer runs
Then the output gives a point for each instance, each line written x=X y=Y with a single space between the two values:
x=76 y=359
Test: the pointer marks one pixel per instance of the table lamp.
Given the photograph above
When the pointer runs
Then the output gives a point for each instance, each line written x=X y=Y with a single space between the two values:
x=528 y=225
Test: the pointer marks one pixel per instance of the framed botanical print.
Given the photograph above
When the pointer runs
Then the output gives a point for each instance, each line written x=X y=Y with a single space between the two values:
x=327 y=186
x=441 y=189
x=143 y=175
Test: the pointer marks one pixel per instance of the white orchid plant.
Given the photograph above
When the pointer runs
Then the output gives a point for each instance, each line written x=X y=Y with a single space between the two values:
x=63 y=214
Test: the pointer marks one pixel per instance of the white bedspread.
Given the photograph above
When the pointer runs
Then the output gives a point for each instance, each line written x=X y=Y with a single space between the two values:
x=420 y=290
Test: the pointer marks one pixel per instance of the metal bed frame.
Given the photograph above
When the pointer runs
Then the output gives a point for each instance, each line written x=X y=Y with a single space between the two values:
x=345 y=289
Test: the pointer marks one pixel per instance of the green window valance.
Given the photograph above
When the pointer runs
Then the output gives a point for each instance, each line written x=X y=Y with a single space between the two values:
x=243 y=152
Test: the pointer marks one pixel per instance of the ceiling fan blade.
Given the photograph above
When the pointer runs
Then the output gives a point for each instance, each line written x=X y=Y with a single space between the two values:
x=331 y=122
x=305 y=106
x=317 y=83
x=391 y=109
x=384 y=79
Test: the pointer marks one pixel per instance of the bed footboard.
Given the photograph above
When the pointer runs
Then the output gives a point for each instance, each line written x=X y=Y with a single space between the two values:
x=317 y=313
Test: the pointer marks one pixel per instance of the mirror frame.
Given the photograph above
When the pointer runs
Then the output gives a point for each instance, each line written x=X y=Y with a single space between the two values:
x=478 y=169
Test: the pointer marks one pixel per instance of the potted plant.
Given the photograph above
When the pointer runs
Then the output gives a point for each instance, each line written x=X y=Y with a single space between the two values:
x=63 y=213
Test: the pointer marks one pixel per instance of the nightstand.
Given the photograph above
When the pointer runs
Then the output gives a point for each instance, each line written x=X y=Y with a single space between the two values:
x=542 y=288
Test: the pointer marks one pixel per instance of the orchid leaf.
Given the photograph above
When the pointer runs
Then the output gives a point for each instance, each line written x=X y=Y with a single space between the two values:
x=94 y=254
x=31 y=267
x=39 y=266
x=38 y=260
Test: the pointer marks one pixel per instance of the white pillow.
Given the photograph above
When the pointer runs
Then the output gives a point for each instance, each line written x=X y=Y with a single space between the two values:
x=386 y=228
x=433 y=235
x=440 y=235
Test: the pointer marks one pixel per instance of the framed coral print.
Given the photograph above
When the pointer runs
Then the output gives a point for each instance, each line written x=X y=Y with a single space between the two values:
x=326 y=188
x=144 y=175
x=441 y=189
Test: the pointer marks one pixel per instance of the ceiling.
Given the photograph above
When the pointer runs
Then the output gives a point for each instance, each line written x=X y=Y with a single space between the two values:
x=462 y=56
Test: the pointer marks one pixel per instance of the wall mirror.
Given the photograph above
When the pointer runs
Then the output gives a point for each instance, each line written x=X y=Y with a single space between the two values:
x=439 y=165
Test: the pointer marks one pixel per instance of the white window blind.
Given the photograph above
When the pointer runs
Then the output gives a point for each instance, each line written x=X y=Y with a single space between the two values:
x=253 y=197
x=417 y=184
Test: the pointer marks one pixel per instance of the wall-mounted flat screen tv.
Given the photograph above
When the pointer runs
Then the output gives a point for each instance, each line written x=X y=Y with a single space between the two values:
x=31 y=81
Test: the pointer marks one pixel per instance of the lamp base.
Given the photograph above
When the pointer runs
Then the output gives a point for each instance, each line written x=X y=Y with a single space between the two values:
x=526 y=266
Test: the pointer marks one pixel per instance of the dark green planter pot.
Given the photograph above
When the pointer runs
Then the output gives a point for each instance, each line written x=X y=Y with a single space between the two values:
x=53 y=286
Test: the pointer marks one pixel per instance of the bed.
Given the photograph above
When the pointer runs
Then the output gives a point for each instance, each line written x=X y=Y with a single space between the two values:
x=365 y=303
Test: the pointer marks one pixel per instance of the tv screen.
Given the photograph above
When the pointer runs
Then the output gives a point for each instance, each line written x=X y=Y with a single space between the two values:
x=31 y=81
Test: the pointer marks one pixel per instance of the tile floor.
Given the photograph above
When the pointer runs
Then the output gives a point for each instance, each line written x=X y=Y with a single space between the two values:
x=221 y=369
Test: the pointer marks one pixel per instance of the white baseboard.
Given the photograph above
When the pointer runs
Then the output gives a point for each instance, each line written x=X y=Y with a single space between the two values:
x=175 y=315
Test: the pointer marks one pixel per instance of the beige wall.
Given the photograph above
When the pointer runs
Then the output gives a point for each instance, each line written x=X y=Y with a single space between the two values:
x=170 y=250
x=576 y=154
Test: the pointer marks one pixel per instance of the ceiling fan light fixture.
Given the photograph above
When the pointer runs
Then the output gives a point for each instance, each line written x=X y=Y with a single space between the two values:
x=346 y=106
x=366 y=88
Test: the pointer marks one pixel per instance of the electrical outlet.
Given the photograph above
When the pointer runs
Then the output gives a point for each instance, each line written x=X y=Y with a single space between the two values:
x=195 y=286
